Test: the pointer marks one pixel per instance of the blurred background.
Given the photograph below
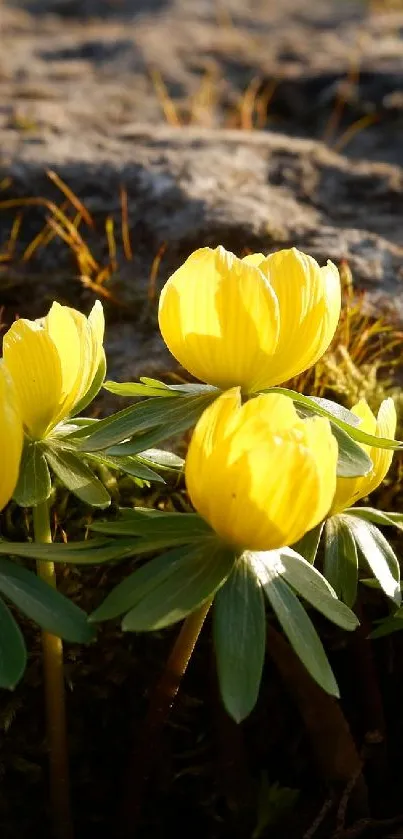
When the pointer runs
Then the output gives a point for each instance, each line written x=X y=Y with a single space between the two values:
x=329 y=69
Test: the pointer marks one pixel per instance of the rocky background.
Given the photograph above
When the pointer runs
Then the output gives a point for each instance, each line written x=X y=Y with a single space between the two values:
x=160 y=97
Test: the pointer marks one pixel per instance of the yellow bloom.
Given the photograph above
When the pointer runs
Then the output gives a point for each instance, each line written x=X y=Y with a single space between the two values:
x=53 y=362
x=350 y=490
x=259 y=474
x=253 y=322
x=11 y=438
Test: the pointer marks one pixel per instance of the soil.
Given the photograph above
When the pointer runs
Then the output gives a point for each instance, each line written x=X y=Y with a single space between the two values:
x=159 y=96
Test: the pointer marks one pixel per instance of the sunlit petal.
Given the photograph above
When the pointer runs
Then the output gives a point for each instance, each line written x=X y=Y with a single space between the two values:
x=52 y=362
x=11 y=437
x=34 y=364
x=266 y=479
x=253 y=322
x=219 y=317
x=309 y=301
x=350 y=490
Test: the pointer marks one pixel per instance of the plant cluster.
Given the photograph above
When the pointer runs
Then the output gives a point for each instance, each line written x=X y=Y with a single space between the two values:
x=272 y=476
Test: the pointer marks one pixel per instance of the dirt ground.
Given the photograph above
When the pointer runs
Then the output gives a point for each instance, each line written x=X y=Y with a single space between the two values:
x=160 y=96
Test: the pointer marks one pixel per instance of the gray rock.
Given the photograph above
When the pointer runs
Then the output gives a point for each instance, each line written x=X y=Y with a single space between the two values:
x=193 y=187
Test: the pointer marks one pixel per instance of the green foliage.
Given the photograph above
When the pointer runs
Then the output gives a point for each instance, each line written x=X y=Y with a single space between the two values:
x=34 y=484
x=294 y=620
x=161 y=419
x=341 y=559
x=378 y=553
x=240 y=639
x=168 y=587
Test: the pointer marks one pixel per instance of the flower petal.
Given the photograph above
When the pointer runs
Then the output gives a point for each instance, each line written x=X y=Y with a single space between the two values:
x=219 y=318
x=309 y=300
x=11 y=437
x=382 y=458
x=67 y=327
x=268 y=478
x=33 y=361
x=350 y=490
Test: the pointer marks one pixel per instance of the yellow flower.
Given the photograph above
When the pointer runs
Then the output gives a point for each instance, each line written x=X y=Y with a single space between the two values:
x=350 y=490
x=253 y=322
x=11 y=438
x=53 y=362
x=259 y=474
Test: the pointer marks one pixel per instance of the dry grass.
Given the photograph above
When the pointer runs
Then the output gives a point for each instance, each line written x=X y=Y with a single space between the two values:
x=361 y=361
x=66 y=221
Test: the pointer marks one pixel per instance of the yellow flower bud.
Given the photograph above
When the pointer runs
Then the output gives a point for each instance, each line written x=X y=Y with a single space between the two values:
x=258 y=473
x=11 y=438
x=252 y=322
x=350 y=490
x=53 y=362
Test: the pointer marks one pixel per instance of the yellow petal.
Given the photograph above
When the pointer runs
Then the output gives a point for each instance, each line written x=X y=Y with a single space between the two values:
x=96 y=325
x=210 y=432
x=254 y=259
x=219 y=318
x=66 y=328
x=309 y=301
x=53 y=362
x=382 y=458
x=33 y=361
x=350 y=490
x=266 y=479
x=11 y=437
x=91 y=334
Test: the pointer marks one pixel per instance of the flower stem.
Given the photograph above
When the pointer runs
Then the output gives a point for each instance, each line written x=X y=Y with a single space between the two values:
x=146 y=746
x=53 y=672
x=331 y=740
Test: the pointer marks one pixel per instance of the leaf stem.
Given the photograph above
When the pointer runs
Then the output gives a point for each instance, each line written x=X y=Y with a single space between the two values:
x=53 y=673
x=146 y=746
x=326 y=726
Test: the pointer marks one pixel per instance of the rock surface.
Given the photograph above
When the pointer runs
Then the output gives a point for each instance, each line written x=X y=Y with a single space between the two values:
x=78 y=99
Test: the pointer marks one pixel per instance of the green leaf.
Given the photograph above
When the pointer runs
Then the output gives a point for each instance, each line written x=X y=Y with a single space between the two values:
x=162 y=459
x=153 y=387
x=90 y=552
x=341 y=560
x=350 y=427
x=129 y=465
x=13 y=654
x=192 y=581
x=78 y=477
x=124 y=595
x=335 y=410
x=135 y=389
x=44 y=604
x=379 y=555
x=308 y=545
x=391 y=624
x=240 y=639
x=158 y=531
x=94 y=389
x=274 y=804
x=352 y=461
x=34 y=485
x=142 y=441
x=295 y=622
x=310 y=584
x=377 y=516
x=174 y=416
x=168 y=587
